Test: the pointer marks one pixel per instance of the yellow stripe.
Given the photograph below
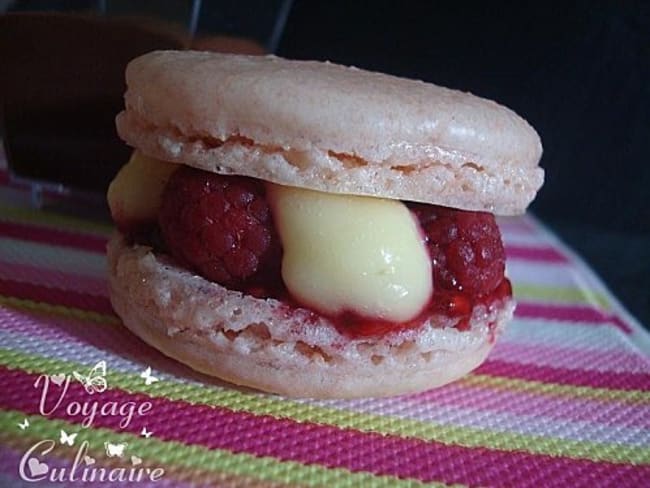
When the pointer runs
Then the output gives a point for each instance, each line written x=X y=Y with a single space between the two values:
x=560 y=295
x=155 y=452
x=54 y=220
x=633 y=397
x=58 y=310
x=304 y=412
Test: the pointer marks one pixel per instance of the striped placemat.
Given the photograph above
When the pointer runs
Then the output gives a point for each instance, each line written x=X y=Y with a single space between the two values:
x=563 y=400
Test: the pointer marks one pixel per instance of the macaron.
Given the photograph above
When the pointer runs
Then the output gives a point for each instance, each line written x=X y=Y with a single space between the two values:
x=314 y=230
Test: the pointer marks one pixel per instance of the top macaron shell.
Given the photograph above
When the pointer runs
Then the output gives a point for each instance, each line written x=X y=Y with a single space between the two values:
x=331 y=128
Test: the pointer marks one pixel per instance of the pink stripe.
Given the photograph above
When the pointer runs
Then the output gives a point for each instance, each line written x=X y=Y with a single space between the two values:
x=529 y=253
x=65 y=330
x=571 y=357
x=329 y=446
x=570 y=313
x=54 y=278
x=575 y=377
x=91 y=341
x=55 y=296
x=49 y=235
x=557 y=409
x=515 y=225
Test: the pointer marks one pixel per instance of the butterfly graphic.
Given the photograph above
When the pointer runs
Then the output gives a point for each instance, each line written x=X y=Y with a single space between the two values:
x=95 y=380
x=148 y=377
x=115 y=450
x=145 y=433
x=67 y=438
x=24 y=424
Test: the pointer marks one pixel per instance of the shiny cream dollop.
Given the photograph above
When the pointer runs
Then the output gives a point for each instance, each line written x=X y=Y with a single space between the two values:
x=135 y=194
x=351 y=253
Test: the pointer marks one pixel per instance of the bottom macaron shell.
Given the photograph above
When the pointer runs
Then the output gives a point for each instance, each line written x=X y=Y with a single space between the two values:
x=265 y=344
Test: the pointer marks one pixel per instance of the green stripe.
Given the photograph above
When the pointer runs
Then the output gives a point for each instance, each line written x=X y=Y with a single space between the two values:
x=303 y=412
x=155 y=452
x=55 y=220
x=59 y=310
x=634 y=397
x=560 y=295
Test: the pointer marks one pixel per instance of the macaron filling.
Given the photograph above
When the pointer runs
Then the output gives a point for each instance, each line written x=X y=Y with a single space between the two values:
x=372 y=266
x=350 y=253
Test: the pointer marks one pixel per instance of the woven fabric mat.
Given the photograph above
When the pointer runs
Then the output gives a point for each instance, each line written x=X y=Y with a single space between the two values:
x=563 y=400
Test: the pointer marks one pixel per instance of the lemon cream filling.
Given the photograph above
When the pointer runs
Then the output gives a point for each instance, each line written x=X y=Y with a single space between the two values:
x=351 y=253
x=135 y=193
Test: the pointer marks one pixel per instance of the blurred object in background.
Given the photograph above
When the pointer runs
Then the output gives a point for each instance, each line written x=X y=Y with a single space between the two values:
x=62 y=78
x=262 y=21
x=228 y=44
x=61 y=86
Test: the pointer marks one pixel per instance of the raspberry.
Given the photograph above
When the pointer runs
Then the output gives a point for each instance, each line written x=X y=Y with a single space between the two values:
x=465 y=248
x=221 y=227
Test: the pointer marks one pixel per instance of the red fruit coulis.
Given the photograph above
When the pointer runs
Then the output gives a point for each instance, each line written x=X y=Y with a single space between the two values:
x=454 y=305
x=221 y=227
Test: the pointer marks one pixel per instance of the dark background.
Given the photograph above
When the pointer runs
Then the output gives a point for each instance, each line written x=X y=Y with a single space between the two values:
x=579 y=72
